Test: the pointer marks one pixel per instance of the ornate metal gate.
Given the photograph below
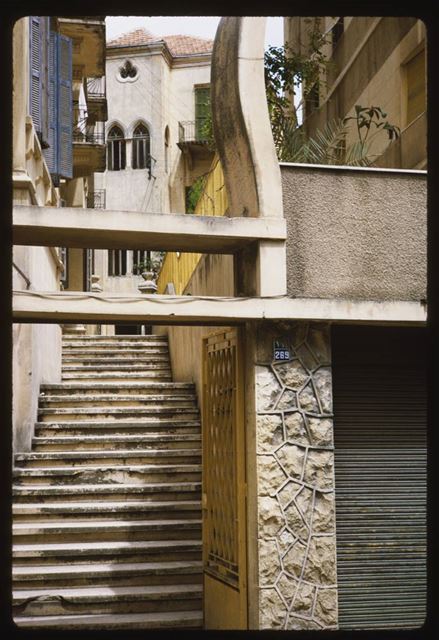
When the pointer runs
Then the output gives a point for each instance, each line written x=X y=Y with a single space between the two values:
x=224 y=489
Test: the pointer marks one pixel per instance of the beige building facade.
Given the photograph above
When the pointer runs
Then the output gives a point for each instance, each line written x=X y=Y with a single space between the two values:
x=372 y=61
x=59 y=70
x=157 y=88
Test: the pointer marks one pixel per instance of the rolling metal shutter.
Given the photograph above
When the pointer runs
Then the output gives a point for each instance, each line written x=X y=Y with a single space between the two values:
x=380 y=476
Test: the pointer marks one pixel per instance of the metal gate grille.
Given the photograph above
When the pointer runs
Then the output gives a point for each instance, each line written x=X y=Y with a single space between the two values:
x=222 y=451
x=380 y=473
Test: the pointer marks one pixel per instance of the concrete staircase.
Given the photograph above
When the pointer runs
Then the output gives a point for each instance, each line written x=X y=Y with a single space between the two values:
x=107 y=512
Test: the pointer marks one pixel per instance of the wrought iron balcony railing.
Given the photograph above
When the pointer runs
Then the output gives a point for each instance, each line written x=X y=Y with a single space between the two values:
x=96 y=88
x=96 y=199
x=192 y=131
x=82 y=131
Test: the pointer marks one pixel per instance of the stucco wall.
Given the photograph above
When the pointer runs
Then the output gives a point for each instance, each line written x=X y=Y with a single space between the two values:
x=355 y=233
x=36 y=347
x=159 y=96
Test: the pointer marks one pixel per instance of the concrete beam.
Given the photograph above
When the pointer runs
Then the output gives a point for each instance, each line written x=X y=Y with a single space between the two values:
x=83 y=307
x=106 y=229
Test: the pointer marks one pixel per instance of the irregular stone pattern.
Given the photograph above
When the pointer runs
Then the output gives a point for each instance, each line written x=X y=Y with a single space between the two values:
x=294 y=422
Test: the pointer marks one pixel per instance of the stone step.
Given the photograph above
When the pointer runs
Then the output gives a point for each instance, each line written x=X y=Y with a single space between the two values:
x=91 y=400
x=153 y=491
x=116 y=442
x=134 y=509
x=129 y=412
x=114 y=350
x=92 y=600
x=108 y=474
x=125 y=365
x=108 y=573
x=79 y=531
x=120 y=457
x=113 y=551
x=77 y=553
x=141 y=426
x=159 y=620
x=120 y=361
x=107 y=505
x=150 y=337
x=118 y=387
x=112 y=340
x=106 y=355
x=121 y=376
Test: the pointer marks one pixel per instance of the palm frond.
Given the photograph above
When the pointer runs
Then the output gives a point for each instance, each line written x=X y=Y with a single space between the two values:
x=358 y=154
x=327 y=146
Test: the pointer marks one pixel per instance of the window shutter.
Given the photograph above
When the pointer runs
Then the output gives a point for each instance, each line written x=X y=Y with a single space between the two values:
x=44 y=79
x=50 y=153
x=65 y=120
x=202 y=110
x=35 y=66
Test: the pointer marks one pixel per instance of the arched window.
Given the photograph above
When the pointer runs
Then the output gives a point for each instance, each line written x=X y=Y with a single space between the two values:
x=166 y=149
x=141 y=157
x=116 y=151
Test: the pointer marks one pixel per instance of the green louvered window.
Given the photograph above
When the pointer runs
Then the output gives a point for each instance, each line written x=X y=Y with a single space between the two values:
x=202 y=112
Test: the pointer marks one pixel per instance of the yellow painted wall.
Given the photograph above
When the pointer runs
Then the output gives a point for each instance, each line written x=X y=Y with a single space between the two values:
x=179 y=267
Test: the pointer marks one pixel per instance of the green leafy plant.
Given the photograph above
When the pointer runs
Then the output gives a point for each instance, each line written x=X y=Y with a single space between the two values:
x=149 y=264
x=291 y=77
x=329 y=144
x=193 y=193
x=286 y=71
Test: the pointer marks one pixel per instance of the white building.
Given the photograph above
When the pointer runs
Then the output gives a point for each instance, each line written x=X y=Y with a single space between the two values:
x=158 y=93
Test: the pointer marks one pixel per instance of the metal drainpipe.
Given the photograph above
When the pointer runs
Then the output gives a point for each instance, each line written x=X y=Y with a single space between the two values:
x=23 y=275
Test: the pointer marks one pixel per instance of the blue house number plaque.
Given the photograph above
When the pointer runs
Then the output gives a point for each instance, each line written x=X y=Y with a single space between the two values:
x=280 y=352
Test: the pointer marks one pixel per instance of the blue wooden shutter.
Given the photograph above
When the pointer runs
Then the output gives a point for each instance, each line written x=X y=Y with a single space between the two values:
x=65 y=120
x=35 y=66
x=44 y=79
x=51 y=153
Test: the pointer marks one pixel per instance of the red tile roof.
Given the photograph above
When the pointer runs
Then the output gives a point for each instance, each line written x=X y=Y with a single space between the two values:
x=178 y=45
x=185 y=45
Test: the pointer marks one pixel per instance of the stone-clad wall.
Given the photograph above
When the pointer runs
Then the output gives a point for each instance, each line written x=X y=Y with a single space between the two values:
x=296 y=504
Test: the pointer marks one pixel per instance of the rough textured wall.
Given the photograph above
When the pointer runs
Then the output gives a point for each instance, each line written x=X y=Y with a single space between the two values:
x=295 y=467
x=356 y=234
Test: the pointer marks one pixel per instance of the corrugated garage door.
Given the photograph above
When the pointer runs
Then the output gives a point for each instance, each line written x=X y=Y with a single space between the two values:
x=380 y=475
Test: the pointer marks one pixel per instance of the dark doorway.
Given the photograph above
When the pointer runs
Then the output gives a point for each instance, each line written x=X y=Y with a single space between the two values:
x=133 y=329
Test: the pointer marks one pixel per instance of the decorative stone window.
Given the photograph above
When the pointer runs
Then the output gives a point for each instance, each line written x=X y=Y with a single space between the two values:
x=128 y=72
x=116 y=149
x=141 y=149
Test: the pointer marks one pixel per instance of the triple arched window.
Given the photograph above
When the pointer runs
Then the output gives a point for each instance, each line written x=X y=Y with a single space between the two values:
x=116 y=149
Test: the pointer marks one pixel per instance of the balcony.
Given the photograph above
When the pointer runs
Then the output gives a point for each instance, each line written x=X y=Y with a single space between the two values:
x=88 y=144
x=88 y=36
x=96 y=97
x=191 y=132
x=194 y=143
x=96 y=199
